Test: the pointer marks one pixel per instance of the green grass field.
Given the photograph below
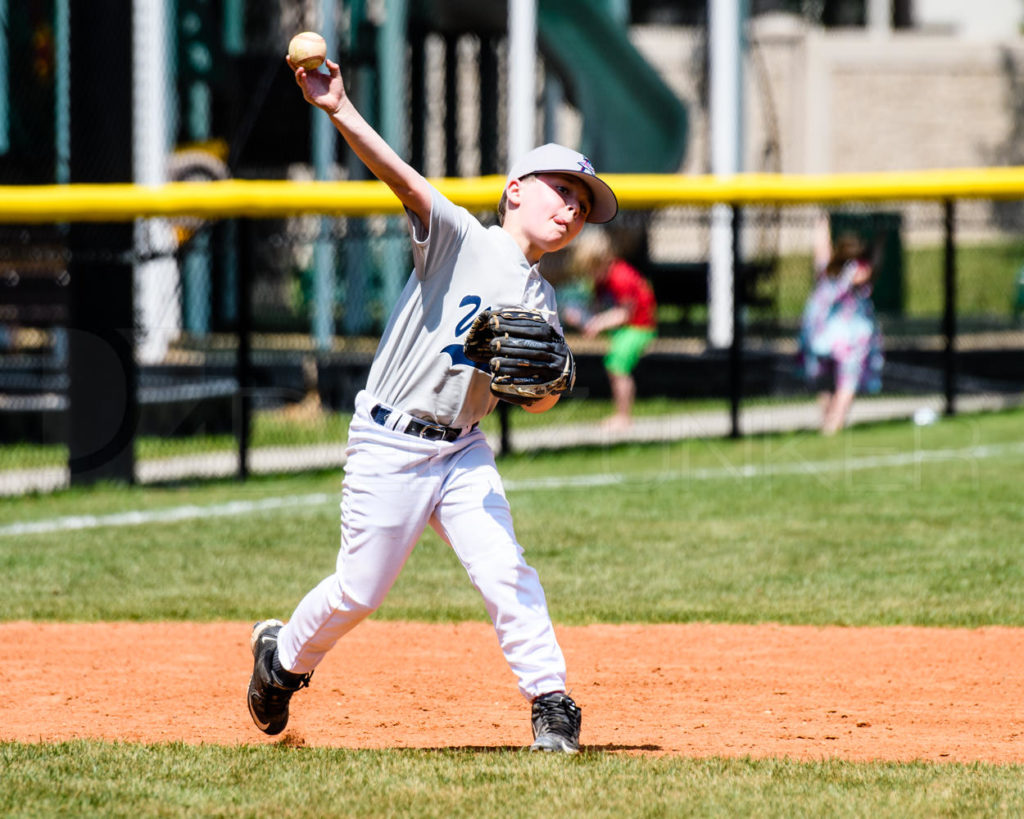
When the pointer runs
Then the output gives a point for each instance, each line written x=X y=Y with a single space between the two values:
x=889 y=524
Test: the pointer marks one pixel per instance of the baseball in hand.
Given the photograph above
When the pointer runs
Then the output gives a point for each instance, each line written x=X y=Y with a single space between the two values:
x=307 y=49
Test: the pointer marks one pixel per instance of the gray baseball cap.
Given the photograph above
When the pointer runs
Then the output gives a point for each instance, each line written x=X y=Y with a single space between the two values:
x=554 y=158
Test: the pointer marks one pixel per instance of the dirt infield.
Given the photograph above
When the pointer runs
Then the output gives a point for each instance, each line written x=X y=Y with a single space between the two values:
x=693 y=690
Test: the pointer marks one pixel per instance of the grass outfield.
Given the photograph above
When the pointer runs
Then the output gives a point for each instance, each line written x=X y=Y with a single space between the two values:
x=887 y=524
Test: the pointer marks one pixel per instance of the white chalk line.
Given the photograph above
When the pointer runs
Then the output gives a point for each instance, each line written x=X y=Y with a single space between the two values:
x=171 y=515
x=235 y=508
x=810 y=468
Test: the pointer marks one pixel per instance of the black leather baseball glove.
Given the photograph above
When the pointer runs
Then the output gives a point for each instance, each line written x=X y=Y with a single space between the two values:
x=527 y=357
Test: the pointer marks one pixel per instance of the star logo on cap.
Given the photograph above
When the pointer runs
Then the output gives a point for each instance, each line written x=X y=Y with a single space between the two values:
x=587 y=167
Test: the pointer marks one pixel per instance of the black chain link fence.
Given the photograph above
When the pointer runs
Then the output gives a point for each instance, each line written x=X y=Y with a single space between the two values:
x=277 y=322
x=253 y=337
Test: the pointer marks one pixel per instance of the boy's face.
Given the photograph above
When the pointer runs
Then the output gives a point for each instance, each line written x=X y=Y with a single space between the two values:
x=553 y=209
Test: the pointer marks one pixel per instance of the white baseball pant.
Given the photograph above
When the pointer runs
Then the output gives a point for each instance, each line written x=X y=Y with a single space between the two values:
x=394 y=485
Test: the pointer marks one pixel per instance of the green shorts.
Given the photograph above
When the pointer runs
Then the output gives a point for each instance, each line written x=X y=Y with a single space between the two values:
x=627 y=345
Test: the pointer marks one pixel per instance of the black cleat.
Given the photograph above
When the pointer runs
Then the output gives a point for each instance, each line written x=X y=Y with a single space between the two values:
x=269 y=693
x=556 y=724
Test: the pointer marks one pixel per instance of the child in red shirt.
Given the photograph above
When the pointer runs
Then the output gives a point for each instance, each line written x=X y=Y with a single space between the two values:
x=626 y=307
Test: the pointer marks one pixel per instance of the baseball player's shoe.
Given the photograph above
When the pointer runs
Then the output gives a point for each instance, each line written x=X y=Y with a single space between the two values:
x=269 y=690
x=556 y=724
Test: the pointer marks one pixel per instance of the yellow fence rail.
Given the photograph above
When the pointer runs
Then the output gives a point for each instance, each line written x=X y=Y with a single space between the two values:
x=266 y=199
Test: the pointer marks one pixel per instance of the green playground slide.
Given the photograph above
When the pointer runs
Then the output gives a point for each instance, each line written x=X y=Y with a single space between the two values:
x=632 y=121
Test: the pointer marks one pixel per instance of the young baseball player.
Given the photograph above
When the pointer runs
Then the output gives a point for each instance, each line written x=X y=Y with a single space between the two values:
x=416 y=455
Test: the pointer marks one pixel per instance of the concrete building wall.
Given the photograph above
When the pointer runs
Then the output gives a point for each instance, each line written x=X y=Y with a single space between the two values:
x=825 y=101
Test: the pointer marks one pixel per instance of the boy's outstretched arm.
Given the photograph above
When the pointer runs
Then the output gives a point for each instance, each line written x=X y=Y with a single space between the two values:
x=327 y=92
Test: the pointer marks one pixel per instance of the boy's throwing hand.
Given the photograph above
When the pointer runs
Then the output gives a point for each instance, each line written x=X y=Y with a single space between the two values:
x=325 y=91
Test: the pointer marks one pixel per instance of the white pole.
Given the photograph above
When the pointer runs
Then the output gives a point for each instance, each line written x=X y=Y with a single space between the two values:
x=156 y=280
x=879 y=17
x=522 y=70
x=726 y=130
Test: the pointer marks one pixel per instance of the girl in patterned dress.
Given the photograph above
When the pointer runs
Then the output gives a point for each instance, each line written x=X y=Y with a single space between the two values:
x=840 y=343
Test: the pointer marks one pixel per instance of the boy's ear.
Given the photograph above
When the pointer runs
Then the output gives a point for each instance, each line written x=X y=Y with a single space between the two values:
x=514 y=192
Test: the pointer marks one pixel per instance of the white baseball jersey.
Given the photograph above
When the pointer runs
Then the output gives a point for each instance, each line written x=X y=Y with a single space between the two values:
x=396 y=484
x=461 y=268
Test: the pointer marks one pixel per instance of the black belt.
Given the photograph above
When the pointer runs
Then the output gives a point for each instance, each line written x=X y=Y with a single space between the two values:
x=417 y=428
